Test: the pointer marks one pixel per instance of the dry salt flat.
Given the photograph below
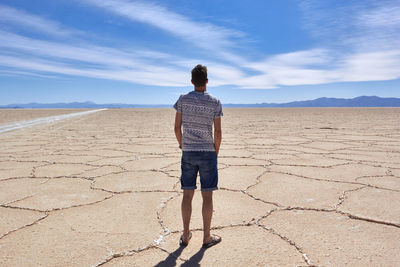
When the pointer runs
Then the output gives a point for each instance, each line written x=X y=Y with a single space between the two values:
x=298 y=187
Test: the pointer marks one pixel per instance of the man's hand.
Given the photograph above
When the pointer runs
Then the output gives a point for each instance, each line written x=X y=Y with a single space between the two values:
x=217 y=134
x=178 y=128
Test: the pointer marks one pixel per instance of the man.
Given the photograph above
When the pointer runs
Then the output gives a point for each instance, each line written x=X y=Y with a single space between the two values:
x=196 y=112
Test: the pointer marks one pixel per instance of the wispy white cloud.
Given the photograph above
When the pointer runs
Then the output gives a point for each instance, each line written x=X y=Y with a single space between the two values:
x=141 y=66
x=159 y=76
x=200 y=34
x=353 y=26
x=318 y=67
x=382 y=16
x=92 y=54
x=293 y=59
x=32 y=22
x=18 y=73
x=371 y=66
x=378 y=28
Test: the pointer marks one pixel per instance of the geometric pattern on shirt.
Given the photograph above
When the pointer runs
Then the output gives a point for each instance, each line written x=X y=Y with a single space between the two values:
x=198 y=112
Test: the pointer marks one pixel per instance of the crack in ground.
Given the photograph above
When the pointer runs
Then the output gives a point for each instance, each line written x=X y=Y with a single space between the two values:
x=318 y=179
x=159 y=210
x=290 y=242
x=309 y=165
x=26 y=225
x=343 y=196
x=25 y=197
x=349 y=215
x=61 y=208
x=112 y=255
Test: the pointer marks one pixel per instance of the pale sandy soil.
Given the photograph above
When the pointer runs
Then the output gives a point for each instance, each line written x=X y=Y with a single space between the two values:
x=13 y=115
x=298 y=187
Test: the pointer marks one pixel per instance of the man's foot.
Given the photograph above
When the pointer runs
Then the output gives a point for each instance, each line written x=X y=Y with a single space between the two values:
x=213 y=240
x=184 y=240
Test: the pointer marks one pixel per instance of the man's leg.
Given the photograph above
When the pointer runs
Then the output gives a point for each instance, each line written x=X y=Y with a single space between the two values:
x=186 y=208
x=207 y=211
x=209 y=182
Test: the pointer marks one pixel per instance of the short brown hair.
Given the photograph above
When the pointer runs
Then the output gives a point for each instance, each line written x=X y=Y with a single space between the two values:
x=199 y=75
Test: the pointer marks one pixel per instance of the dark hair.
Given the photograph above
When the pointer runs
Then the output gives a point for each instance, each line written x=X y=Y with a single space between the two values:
x=199 y=75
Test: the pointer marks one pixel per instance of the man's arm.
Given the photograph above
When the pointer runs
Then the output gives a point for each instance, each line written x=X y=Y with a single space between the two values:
x=217 y=134
x=178 y=128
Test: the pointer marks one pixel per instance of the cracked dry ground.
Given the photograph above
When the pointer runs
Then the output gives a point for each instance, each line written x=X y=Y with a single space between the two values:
x=298 y=187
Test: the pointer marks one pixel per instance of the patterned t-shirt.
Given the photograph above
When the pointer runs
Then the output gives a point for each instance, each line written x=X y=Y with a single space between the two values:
x=198 y=112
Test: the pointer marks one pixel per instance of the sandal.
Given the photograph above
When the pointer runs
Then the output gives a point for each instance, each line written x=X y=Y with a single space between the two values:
x=213 y=242
x=184 y=244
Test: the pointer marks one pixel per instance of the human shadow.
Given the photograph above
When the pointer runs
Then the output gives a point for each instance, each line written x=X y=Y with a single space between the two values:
x=170 y=261
x=195 y=259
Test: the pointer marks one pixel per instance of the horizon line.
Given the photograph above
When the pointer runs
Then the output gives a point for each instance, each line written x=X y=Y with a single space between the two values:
x=261 y=103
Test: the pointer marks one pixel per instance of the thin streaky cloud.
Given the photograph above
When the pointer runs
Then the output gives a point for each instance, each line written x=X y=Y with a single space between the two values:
x=92 y=54
x=363 y=26
x=159 y=77
x=275 y=72
x=372 y=66
x=171 y=22
x=33 y=22
x=104 y=58
x=219 y=40
x=331 y=20
x=378 y=28
x=26 y=73
x=298 y=58
x=384 y=16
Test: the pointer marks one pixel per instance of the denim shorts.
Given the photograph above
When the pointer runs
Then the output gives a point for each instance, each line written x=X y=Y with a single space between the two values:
x=204 y=162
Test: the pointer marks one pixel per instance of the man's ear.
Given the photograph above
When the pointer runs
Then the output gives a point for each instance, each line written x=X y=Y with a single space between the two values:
x=207 y=81
x=192 y=82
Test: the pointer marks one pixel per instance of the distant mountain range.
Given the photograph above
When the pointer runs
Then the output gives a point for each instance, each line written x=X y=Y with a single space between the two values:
x=87 y=104
x=361 y=101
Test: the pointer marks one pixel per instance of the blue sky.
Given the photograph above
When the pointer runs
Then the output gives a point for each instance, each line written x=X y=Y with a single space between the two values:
x=141 y=52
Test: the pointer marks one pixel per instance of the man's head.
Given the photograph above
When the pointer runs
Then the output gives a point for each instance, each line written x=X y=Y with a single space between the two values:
x=199 y=75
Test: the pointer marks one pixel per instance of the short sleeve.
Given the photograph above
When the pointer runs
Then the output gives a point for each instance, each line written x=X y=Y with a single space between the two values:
x=218 y=110
x=178 y=105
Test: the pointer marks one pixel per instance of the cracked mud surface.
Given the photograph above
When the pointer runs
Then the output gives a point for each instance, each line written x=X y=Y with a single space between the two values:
x=298 y=187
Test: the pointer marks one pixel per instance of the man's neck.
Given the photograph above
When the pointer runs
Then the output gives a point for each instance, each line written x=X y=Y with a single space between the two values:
x=200 y=89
